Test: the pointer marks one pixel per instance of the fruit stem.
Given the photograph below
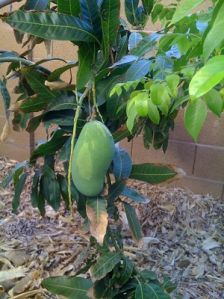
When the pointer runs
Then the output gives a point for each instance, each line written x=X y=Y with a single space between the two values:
x=76 y=117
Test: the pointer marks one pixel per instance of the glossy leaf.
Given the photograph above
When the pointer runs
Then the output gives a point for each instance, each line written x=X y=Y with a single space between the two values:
x=96 y=210
x=184 y=8
x=52 y=26
x=194 y=117
x=18 y=190
x=86 y=55
x=153 y=112
x=134 y=195
x=133 y=222
x=5 y=97
x=214 y=101
x=50 y=147
x=122 y=164
x=90 y=14
x=69 y=287
x=36 y=4
x=207 y=77
x=110 y=10
x=215 y=37
x=152 y=173
x=105 y=264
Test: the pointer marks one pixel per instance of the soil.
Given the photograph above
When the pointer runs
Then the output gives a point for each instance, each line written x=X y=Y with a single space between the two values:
x=183 y=238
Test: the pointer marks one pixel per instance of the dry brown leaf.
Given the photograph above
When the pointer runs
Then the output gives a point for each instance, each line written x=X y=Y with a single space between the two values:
x=5 y=132
x=12 y=273
x=96 y=210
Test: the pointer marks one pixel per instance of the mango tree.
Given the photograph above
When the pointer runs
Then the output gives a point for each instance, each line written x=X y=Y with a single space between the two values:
x=128 y=83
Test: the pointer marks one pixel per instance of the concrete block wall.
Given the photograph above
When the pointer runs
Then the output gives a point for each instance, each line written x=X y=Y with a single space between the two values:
x=203 y=162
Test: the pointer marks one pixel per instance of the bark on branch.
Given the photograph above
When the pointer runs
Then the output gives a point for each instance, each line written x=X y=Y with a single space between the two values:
x=4 y=3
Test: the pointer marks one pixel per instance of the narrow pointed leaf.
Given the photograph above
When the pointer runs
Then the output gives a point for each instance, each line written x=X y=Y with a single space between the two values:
x=184 y=8
x=90 y=14
x=110 y=10
x=86 y=55
x=134 y=195
x=105 y=264
x=194 y=117
x=152 y=173
x=51 y=26
x=122 y=164
x=133 y=222
x=18 y=190
x=70 y=7
x=69 y=287
x=5 y=97
x=96 y=210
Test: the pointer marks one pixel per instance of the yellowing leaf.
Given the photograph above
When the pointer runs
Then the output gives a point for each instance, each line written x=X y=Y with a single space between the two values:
x=96 y=210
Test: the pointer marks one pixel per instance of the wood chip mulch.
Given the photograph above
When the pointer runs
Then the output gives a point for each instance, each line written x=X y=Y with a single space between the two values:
x=183 y=238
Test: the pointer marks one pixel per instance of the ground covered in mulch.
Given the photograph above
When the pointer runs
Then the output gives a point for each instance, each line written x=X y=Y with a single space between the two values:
x=183 y=238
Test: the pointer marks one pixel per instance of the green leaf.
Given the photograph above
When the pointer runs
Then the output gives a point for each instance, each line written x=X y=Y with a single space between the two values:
x=134 y=195
x=126 y=271
x=214 y=101
x=34 y=104
x=152 y=291
x=50 y=147
x=96 y=210
x=138 y=70
x=35 y=189
x=69 y=287
x=194 y=117
x=52 y=26
x=105 y=264
x=90 y=14
x=173 y=82
x=120 y=134
x=18 y=190
x=184 y=8
x=148 y=5
x=5 y=97
x=86 y=54
x=153 y=112
x=168 y=285
x=207 y=77
x=36 y=4
x=110 y=10
x=215 y=35
x=131 y=114
x=122 y=164
x=143 y=47
x=55 y=75
x=50 y=188
x=152 y=173
x=133 y=222
x=70 y=7
x=34 y=123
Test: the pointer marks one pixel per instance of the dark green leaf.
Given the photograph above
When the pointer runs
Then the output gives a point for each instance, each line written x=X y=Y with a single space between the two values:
x=52 y=26
x=152 y=173
x=50 y=188
x=115 y=190
x=134 y=195
x=122 y=164
x=110 y=10
x=194 y=117
x=121 y=134
x=86 y=56
x=34 y=123
x=148 y=5
x=35 y=104
x=90 y=14
x=105 y=264
x=168 y=285
x=125 y=271
x=70 y=7
x=152 y=291
x=18 y=190
x=50 y=147
x=55 y=75
x=36 y=4
x=69 y=287
x=35 y=189
x=133 y=222
x=149 y=275
x=63 y=183
x=5 y=97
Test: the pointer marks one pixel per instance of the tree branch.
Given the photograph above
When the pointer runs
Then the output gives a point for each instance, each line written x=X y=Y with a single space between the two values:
x=4 y=3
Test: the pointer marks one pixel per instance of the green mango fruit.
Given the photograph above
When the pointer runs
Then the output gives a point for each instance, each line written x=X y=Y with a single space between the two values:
x=92 y=156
